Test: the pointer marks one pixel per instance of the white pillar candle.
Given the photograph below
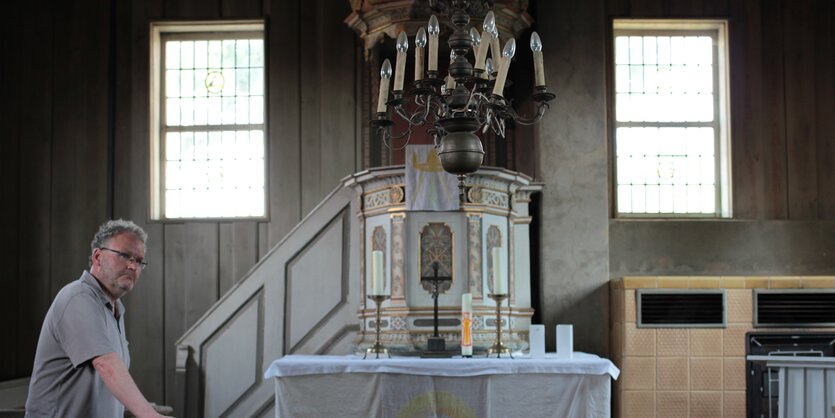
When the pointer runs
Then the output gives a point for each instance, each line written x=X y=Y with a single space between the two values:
x=377 y=275
x=467 y=324
x=538 y=66
x=434 y=30
x=400 y=73
x=508 y=52
x=385 y=76
x=565 y=341
x=420 y=43
x=499 y=284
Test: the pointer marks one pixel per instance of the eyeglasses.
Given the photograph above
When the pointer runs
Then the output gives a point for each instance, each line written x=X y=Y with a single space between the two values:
x=128 y=258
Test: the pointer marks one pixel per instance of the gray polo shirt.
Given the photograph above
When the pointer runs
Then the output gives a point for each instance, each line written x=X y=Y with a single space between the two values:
x=78 y=327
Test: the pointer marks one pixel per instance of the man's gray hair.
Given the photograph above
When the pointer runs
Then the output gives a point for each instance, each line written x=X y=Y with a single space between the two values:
x=115 y=227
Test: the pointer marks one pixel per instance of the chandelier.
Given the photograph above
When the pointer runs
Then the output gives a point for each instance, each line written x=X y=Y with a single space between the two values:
x=467 y=101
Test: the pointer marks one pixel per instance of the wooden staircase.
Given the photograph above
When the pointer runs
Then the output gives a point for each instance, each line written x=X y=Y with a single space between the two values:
x=302 y=297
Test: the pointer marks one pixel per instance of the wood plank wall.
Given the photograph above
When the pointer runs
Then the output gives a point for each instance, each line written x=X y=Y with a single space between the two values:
x=74 y=153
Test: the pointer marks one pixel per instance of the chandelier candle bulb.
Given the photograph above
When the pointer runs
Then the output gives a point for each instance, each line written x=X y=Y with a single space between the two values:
x=377 y=275
x=484 y=42
x=385 y=76
x=538 y=66
x=488 y=69
x=402 y=47
x=420 y=43
x=499 y=284
x=476 y=38
x=467 y=325
x=508 y=52
x=434 y=30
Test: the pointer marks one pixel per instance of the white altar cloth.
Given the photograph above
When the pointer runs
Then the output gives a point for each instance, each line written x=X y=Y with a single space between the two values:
x=348 y=386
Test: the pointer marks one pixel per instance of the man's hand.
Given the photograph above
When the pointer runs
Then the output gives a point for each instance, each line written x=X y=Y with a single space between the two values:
x=118 y=380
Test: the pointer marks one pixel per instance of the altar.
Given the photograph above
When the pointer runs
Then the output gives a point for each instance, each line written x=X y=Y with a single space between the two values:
x=348 y=386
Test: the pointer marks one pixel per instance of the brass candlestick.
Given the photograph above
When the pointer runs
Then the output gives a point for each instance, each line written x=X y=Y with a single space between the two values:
x=498 y=348
x=378 y=347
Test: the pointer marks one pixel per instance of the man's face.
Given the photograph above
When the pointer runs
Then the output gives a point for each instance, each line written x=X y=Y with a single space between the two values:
x=117 y=272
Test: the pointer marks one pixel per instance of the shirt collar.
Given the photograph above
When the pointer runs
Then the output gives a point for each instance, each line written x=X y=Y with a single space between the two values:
x=90 y=280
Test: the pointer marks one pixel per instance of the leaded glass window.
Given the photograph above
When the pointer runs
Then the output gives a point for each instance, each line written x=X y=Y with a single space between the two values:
x=211 y=133
x=670 y=119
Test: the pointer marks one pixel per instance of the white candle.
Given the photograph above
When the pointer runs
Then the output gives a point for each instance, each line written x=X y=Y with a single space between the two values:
x=420 y=43
x=385 y=76
x=399 y=74
x=538 y=66
x=508 y=52
x=434 y=30
x=377 y=275
x=467 y=324
x=499 y=284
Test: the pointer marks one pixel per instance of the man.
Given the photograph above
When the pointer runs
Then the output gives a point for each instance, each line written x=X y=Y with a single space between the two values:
x=82 y=360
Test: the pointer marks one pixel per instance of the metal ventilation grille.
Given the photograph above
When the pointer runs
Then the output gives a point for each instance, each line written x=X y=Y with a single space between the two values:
x=681 y=308
x=794 y=308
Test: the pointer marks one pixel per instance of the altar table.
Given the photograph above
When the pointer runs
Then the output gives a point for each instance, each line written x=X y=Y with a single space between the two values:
x=406 y=387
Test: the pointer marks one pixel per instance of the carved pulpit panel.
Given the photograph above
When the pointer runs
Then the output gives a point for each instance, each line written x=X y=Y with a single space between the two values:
x=436 y=240
x=494 y=240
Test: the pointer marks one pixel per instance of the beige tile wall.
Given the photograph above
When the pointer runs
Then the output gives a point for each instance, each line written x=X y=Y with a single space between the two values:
x=687 y=372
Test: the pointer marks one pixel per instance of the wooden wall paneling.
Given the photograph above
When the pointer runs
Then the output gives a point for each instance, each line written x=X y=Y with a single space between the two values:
x=145 y=320
x=200 y=273
x=238 y=245
x=35 y=124
x=646 y=8
x=799 y=58
x=717 y=8
x=192 y=9
x=175 y=300
x=80 y=195
x=313 y=57
x=10 y=188
x=338 y=140
x=615 y=8
x=684 y=8
x=825 y=105
x=773 y=116
x=240 y=9
x=284 y=69
x=747 y=141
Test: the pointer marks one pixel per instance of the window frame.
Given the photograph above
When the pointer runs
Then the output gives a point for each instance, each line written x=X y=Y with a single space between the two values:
x=718 y=30
x=193 y=30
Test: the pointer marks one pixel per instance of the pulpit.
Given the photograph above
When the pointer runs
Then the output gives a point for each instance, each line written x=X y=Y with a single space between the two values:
x=494 y=213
